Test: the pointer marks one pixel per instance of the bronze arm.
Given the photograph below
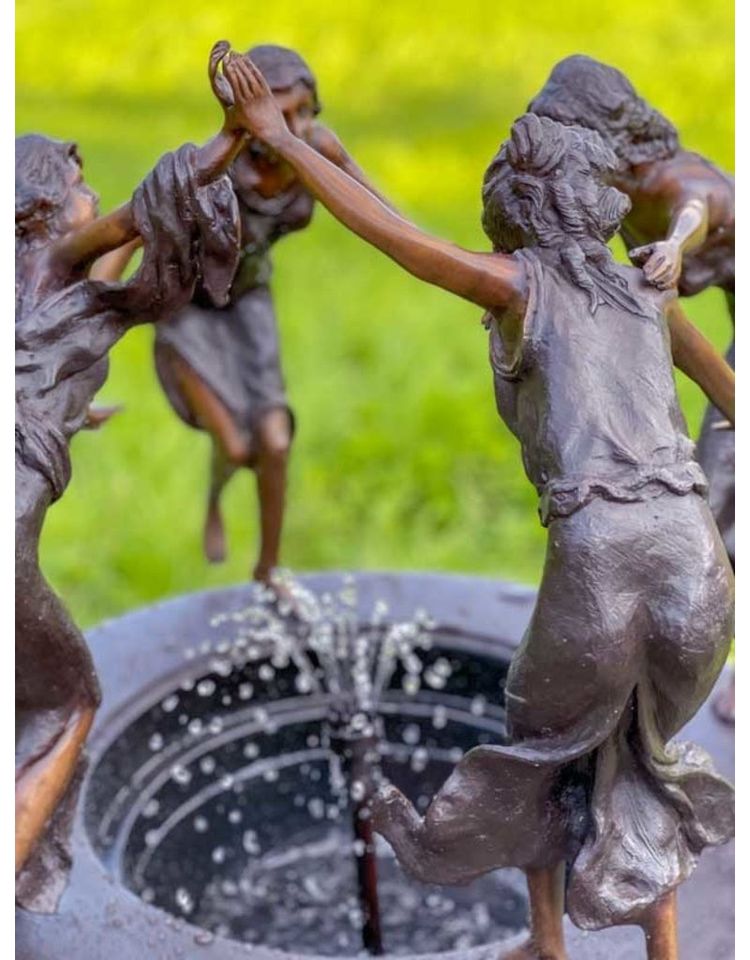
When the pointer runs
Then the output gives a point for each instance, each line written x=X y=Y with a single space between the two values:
x=493 y=281
x=701 y=361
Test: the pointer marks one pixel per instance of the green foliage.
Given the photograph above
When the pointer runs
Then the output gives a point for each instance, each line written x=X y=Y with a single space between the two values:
x=400 y=460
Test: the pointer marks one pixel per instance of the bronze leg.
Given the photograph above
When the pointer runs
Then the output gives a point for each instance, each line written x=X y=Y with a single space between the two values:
x=41 y=785
x=222 y=470
x=660 y=927
x=231 y=449
x=547 y=902
x=274 y=438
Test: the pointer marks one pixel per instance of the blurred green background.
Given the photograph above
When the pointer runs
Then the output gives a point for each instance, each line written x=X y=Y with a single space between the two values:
x=400 y=460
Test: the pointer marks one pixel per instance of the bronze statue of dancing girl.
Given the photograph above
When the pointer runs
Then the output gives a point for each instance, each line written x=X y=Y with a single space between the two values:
x=634 y=615
x=65 y=326
x=221 y=368
x=680 y=228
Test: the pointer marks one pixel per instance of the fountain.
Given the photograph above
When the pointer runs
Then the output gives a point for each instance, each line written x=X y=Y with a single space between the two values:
x=225 y=807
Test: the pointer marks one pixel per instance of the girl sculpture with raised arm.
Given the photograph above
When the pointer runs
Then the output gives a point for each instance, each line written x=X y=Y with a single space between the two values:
x=65 y=327
x=221 y=368
x=633 y=618
x=680 y=227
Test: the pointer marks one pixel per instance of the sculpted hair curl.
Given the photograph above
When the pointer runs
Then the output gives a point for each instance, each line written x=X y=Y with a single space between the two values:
x=546 y=188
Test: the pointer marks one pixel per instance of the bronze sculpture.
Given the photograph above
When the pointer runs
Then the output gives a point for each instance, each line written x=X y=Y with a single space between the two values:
x=185 y=213
x=680 y=228
x=633 y=620
x=221 y=368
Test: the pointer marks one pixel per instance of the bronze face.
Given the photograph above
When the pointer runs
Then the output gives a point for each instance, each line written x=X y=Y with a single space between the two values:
x=81 y=204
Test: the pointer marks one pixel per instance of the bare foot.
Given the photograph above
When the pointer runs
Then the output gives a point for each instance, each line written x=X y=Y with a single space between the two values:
x=214 y=542
x=527 y=951
x=723 y=703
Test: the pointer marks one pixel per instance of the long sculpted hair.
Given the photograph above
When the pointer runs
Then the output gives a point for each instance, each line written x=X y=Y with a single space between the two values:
x=546 y=189
x=42 y=165
x=584 y=92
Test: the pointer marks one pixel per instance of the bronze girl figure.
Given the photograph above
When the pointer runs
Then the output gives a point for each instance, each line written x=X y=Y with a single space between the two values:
x=221 y=368
x=65 y=326
x=680 y=228
x=633 y=619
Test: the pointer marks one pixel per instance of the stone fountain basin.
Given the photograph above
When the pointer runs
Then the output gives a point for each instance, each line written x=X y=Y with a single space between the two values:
x=140 y=658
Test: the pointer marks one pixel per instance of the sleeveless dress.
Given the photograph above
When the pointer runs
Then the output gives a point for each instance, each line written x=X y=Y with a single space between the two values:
x=235 y=350
x=631 y=627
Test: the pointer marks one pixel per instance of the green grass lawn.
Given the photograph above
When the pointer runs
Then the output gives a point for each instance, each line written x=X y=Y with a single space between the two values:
x=400 y=460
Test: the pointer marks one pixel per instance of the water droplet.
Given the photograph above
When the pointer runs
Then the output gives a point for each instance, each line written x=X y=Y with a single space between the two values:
x=439 y=717
x=205 y=688
x=181 y=774
x=411 y=734
x=207 y=765
x=245 y=691
x=478 y=705
x=235 y=816
x=251 y=750
x=250 y=842
x=151 y=808
x=316 y=808
x=419 y=759
x=200 y=824
x=183 y=900
x=170 y=703
x=410 y=684
x=155 y=742
x=218 y=855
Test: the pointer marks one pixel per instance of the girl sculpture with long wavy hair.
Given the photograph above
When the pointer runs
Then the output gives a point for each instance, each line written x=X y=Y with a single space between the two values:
x=66 y=323
x=633 y=618
x=680 y=228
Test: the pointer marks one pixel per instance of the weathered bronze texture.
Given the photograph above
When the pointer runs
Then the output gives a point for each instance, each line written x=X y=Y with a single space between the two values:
x=680 y=227
x=185 y=213
x=634 y=616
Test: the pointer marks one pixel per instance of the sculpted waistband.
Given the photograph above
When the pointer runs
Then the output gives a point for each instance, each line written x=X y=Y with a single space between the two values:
x=561 y=498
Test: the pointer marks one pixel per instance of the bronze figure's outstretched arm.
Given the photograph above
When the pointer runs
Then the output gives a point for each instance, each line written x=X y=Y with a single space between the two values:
x=493 y=281
x=698 y=359
x=328 y=144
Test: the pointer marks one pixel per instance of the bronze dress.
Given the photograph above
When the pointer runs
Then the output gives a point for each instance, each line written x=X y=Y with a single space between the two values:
x=235 y=350
x=631 y=627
